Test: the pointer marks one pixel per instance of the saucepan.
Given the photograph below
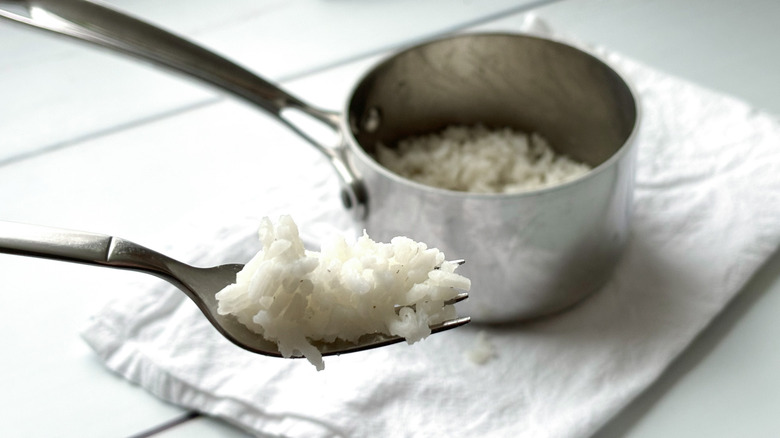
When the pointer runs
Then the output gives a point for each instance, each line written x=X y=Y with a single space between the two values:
x=528 y=254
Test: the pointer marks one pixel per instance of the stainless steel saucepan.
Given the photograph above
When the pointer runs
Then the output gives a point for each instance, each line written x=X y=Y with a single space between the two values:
x=529 y=254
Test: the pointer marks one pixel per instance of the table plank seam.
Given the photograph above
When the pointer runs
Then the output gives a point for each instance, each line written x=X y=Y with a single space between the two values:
x=167 y=425
x=173 y=112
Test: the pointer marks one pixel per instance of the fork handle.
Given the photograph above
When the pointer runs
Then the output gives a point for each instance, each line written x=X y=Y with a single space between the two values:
x=82 y=247
x=54 y=243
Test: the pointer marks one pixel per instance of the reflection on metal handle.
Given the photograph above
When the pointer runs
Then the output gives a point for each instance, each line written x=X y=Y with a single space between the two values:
x=83 y=247
x=117 y=31
x=53 y=243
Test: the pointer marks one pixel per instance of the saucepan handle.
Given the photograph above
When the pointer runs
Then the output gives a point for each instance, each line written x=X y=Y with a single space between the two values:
x=109 y=28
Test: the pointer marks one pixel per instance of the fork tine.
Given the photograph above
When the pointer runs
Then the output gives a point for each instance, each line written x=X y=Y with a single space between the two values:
x=457 y=298
x=458 y=262
x=369 y=342
x=450 y=324
x=454 y=300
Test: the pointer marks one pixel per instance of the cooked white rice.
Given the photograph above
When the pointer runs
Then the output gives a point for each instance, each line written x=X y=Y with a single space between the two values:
x=482 y=351
x=480 y=160
x=292 y=296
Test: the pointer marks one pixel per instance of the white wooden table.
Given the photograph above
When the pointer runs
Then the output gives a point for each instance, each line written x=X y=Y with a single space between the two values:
x=80 y=127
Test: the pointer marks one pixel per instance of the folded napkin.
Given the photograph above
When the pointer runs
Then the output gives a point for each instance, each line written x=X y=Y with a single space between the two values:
x=706 y=218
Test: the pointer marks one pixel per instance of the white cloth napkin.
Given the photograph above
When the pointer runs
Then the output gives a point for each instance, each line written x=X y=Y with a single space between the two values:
x=706 y=217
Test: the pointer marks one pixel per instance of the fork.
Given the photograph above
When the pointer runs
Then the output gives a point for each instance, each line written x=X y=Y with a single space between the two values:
x=199 y=284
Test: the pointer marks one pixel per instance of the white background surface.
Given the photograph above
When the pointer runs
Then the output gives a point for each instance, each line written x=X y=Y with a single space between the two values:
x=74 y=126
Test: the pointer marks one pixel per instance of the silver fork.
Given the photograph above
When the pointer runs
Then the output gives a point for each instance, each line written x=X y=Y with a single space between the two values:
x=199 y=284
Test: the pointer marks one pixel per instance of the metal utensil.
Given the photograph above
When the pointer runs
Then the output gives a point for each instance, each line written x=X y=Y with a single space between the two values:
x=199 y=284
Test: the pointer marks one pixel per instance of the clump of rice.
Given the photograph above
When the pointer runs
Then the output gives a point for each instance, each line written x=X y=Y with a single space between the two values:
x=482 y=351
x=292 y=296
x=480 y=160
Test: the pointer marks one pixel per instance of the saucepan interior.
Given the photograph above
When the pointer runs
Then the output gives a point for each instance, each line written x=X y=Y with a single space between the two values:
x=577 y=102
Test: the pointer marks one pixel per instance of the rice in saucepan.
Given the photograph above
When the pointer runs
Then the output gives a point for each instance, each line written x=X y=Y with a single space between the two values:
x=481 y=160
x=292 y=296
